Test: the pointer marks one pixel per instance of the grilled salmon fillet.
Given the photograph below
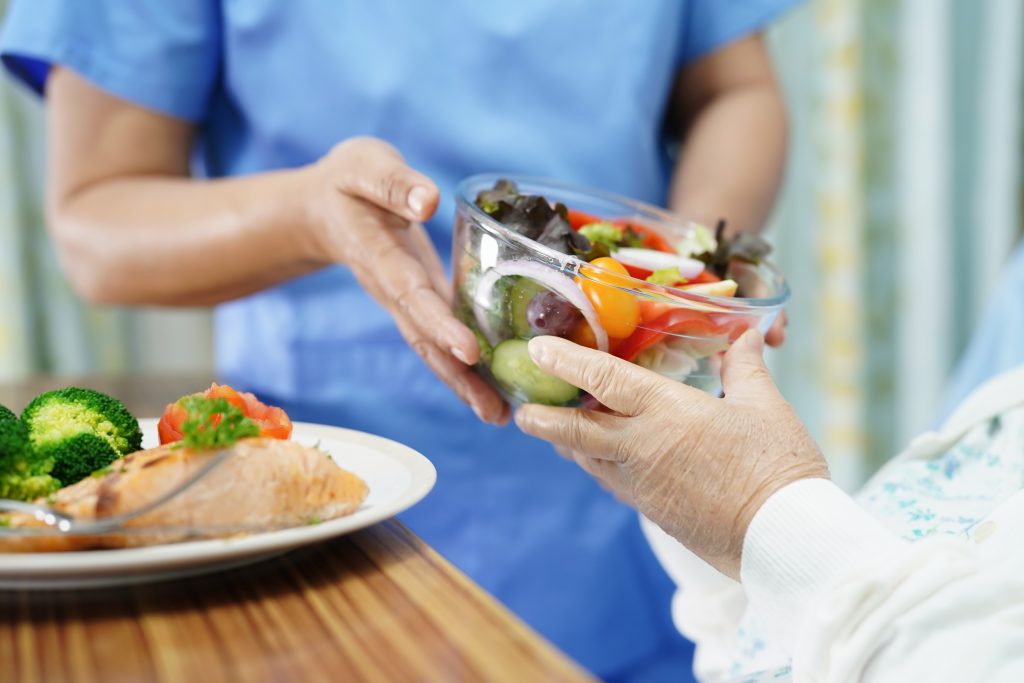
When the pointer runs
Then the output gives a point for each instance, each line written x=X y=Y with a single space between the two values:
x=266 y=483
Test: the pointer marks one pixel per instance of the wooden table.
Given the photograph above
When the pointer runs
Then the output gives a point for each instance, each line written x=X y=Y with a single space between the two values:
x=376 y=605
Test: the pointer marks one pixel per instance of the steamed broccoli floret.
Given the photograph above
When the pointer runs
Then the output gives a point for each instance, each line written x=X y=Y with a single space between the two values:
x=79 y=455
x=6 y=414
x=81 y=430
x=24 y=474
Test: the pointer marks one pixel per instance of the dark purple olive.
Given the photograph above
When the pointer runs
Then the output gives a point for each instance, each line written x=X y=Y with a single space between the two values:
x=549 y=313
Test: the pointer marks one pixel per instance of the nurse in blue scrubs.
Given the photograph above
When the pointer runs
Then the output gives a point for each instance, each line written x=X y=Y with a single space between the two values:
x=293 y=163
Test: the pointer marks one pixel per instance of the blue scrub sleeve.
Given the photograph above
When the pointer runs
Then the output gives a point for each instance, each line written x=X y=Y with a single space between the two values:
x=712 y=24
x=164 y=55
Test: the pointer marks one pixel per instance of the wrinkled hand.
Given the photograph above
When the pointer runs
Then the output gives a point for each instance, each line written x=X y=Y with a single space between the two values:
x=698 y=466
x=367 y=210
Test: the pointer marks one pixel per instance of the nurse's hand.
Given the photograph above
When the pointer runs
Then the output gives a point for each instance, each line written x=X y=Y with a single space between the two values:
x=367 y=213
x=776 y=335
x=698 y=466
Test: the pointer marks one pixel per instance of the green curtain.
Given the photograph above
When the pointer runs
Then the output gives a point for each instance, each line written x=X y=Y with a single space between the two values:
x=901 y=202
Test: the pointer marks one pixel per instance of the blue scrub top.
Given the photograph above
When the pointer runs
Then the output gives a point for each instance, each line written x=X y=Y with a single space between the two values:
x=574 y=90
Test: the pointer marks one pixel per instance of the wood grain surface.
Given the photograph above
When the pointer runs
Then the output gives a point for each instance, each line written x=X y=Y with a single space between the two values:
x=376 y=605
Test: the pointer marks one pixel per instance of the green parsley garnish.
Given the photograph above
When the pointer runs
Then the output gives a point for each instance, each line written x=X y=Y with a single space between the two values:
x=214 y=423
x=323 y=450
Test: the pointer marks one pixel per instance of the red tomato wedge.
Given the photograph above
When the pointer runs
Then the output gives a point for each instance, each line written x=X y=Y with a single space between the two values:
x=652 y=239
x=652 y=310
x=577 y=219
x=638 y=273
x=169 y=426
x=273 y=422
x=705 y=277
x=661 y=320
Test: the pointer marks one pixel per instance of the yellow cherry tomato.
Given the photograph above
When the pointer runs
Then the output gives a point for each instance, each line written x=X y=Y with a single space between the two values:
x=619 y=311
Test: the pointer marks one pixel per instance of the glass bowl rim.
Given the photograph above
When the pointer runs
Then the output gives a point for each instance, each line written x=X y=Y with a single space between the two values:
x=571 y=264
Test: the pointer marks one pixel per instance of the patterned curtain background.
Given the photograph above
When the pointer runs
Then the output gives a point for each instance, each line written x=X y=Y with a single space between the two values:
x=901 y=204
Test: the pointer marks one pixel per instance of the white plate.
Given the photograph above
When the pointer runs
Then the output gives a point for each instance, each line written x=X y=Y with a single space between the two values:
x=398 y=478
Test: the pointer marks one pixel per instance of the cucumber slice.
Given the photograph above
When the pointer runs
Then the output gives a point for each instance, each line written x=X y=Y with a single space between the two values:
x=486 y=352
x=519 y=296
x=516 y=372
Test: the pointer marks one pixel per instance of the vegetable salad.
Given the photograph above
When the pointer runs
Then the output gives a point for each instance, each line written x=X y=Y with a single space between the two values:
x=667 y=299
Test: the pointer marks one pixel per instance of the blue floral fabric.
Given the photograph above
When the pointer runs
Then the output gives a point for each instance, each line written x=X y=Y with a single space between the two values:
x=918 y=495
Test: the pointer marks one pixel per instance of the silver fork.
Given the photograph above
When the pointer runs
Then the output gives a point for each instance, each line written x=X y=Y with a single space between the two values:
x=68 y=524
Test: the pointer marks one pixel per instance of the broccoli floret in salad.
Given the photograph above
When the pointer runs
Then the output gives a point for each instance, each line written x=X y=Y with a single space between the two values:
x=24 y=474
x=80 y=430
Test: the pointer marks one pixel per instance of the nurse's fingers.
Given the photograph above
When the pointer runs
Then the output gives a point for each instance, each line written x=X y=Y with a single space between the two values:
x=776 y=335
x=419 y=244
x=620 y=385
x=381 y=258
x=410 y=294
x=574 y=429
x=373 y=170
x=420 y=315
x=396 y=264
x=461 y=378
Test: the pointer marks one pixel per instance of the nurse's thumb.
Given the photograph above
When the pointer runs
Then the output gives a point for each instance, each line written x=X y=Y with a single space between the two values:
x=744 y=374
x=376 y=172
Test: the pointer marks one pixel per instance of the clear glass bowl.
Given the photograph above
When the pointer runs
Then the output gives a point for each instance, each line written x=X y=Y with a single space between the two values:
x=680 y=334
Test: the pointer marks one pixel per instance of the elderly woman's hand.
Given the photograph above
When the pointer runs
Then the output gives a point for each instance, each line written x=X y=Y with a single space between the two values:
x=698 y=466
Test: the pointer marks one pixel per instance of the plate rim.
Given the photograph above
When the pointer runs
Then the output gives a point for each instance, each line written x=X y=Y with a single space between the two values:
x=166 y=557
